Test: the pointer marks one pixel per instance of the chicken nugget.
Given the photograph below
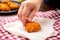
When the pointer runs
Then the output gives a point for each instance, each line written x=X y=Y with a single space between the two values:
x=32 y=27
x=4 y=7
x=10 y=3
x=13 y=5
x=5 y=1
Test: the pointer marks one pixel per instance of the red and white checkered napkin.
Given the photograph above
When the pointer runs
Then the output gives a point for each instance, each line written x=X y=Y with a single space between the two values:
x=5 y=35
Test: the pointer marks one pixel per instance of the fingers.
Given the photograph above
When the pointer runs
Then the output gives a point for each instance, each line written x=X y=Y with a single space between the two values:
x=20 y=12
x=24 y=13
x=32 y=15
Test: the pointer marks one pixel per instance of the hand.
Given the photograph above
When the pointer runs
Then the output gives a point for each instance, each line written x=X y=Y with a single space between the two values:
x=27 y=8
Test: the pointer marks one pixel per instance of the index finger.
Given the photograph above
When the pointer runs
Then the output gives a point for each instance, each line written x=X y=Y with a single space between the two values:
x=20 y=11
x=24 y=14
x=32 y=15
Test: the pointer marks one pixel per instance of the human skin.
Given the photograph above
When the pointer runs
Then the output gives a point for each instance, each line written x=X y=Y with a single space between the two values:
x=28 y=7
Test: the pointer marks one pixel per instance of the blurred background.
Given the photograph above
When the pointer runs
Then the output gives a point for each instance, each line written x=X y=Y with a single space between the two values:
x=18 y=0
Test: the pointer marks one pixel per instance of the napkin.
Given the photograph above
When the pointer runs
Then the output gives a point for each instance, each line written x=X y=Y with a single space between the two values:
x=17 y=28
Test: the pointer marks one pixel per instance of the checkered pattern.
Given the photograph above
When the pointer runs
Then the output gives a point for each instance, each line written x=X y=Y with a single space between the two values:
x=5 y=35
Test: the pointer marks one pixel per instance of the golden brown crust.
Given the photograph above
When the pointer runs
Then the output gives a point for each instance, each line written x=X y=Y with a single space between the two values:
x=4 y=1
x=13 y=5
x=4 y=7
x=32 y=27
x=8 y=6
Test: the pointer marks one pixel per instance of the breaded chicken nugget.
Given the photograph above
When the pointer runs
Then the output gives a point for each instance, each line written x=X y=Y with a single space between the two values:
x=10 y=3
x=32 y=27
x=5 y=1
x=4 y=7
x=0 y=4
x=13 y=5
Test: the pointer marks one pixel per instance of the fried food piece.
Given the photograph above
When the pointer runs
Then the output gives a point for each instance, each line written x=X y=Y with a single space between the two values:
x=10 y=3
x=5 y=1
x=0 y=4
x=32 y=27
x=4 y=7
x=13 y=5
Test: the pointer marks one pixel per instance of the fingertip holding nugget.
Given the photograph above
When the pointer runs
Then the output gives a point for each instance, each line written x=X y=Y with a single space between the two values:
x=32 y=27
